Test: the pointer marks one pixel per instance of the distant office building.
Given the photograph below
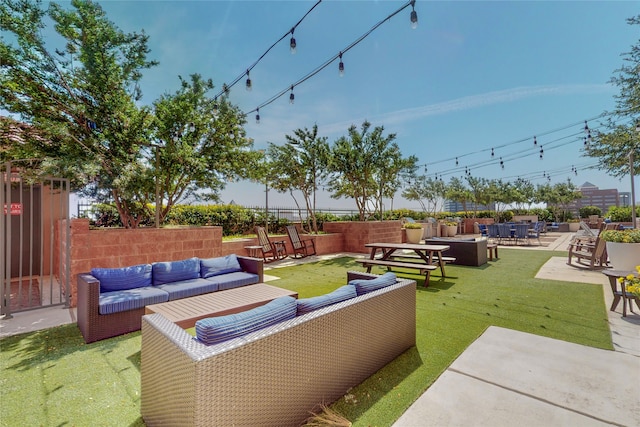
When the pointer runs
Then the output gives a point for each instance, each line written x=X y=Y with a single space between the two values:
x=451 y=206
x=593 y=196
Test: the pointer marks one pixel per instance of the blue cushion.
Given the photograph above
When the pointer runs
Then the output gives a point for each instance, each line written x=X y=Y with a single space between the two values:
x=221 y=265
x=234 y=280
x=188 y=288
x=117 y=279
x=217 y=329
x=175 y=271
x=130 y=299
x=363 y=285
x=306 y=305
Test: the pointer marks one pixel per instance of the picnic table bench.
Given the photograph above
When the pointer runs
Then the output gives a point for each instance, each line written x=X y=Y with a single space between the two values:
x=423 y=268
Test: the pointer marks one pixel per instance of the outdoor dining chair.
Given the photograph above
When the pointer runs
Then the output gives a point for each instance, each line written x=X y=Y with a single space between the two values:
x=271 y=250
x=521 y=233
x=301 y=247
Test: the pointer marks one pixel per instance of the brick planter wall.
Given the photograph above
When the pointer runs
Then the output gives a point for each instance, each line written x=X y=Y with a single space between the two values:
x=356 y=234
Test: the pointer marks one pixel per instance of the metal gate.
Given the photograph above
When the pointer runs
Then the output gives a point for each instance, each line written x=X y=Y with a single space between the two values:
x=34 y=254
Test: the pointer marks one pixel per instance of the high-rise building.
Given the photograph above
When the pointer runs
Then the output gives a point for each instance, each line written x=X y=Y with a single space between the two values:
x=593 y=196
x=451 y=206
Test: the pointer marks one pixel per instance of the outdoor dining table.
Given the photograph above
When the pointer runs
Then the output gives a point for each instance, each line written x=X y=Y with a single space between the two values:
x=427 y=253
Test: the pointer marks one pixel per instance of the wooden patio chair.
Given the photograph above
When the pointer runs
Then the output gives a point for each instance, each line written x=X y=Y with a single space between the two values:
x=594 y=252
x=301 y=247
x=271 y=250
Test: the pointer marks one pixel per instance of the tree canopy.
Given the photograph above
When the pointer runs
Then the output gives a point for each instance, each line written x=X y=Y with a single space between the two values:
x=622 y=137
x=80 y=103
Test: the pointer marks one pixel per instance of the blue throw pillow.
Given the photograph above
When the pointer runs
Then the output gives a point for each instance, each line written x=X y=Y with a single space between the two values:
x=305 y=305
x=217 y=329
x=175 y=271
x=217 y=266
x=363 y=286
x=120 y=279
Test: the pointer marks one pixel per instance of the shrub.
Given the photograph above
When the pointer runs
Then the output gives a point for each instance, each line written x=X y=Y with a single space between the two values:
x=621 y=236
x=585 y=211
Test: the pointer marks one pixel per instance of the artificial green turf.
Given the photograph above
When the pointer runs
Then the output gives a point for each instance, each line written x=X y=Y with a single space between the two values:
x=52 y=378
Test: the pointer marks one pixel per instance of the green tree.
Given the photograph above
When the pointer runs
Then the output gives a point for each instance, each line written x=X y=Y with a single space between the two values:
x=622 y=138
x=456 y=191
x=200 y=144
x=301 y=164
x=480 y=195
x=426 y=191
x=558 y=197
x=79 y=100
x=357 y=166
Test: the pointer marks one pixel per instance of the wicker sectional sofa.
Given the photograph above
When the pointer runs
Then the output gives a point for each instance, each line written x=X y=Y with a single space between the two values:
x=116 y=306
x=275 y=375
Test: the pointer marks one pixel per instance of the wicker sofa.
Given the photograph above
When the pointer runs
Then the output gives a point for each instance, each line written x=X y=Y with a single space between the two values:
x=95 y=326
x=276 y=375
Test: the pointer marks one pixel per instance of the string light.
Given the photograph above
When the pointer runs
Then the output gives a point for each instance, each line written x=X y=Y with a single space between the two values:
x=341 y=66
x=258 y=116
x=501 y=163
x=292 y=97
x=541 y=151
x=491 y=151
x=336 y=56
x=535 y=141
x=292 y=43
x=248 y=84
x=414 y=15
x=215 y=106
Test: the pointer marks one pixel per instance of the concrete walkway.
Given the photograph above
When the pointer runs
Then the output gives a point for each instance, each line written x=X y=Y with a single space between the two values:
x=508 y=378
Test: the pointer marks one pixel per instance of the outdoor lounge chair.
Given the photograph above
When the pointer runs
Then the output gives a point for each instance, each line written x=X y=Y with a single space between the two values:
x=594 y=252
x=301 y=247
x=271 y=251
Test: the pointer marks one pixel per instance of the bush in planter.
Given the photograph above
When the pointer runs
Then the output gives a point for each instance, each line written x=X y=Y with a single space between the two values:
x=586 y=211
x=621 y=236
x=412 y=225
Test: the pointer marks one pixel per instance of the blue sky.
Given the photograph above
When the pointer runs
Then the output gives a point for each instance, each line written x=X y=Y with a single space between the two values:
x=474 y=75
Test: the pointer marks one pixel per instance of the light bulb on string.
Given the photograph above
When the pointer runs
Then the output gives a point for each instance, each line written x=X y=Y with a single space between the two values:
x=501 y=163
x=456 y=161
x=248 y=83
x=341 y=66
x=215 y=106
x=292 y=97
x=257 y=116
x=541 y=151
x=292 y=43
x=414 y=15
x=491 y=151
x=535 y=141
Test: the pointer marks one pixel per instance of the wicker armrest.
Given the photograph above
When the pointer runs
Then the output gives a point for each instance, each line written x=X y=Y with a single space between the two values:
x=252 y=265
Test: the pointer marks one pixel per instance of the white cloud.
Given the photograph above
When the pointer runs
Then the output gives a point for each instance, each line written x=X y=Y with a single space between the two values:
x=467 y=103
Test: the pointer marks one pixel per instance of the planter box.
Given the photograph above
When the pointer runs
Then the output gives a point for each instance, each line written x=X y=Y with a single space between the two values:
x=623 y=256
x=466 y=252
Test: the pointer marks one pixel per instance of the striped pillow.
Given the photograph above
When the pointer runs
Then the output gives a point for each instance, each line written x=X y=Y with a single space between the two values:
x=305 y=305
x=217 y=329
x=363 y=285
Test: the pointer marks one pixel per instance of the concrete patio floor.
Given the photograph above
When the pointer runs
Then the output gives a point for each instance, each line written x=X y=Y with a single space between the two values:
x=505 y=377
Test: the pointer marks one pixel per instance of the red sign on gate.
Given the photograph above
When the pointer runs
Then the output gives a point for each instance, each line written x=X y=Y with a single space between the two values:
x=16 y=208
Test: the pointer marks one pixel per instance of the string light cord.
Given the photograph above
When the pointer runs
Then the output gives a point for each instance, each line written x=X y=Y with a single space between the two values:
x=226 y=88
x=486 y=150
x=329 y=61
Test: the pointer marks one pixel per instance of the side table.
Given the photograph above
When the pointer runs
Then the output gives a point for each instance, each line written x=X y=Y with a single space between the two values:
x=619 y=293
x=254 y=251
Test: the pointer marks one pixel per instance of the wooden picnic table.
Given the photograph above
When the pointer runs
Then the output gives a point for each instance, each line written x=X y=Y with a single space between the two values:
x=427 y=256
